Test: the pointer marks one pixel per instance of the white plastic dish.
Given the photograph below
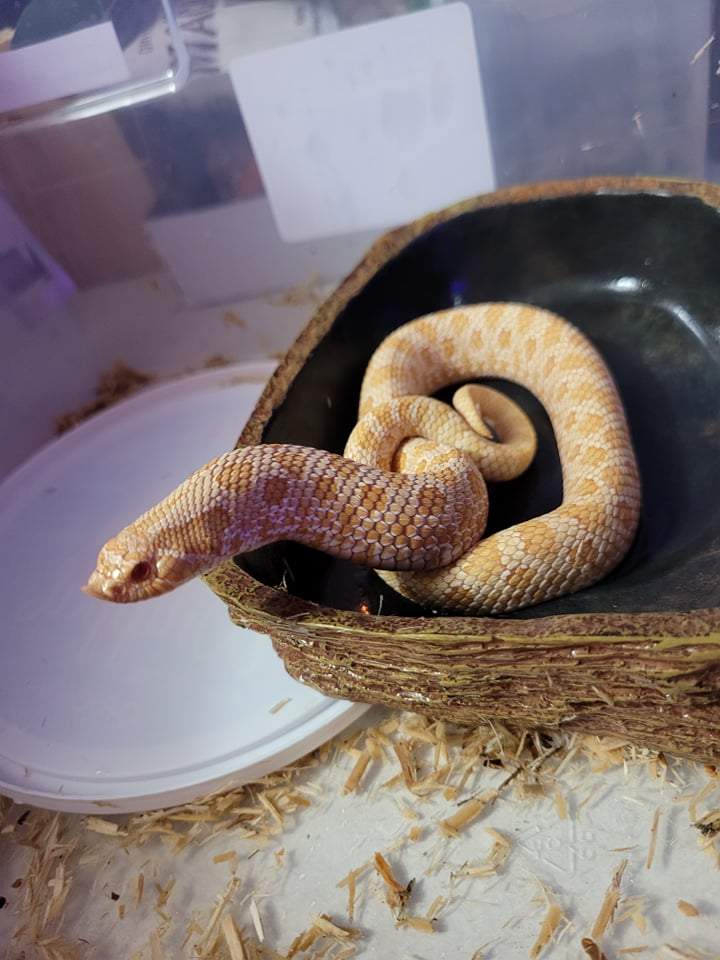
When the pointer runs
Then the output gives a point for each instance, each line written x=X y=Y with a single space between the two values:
x=134 y=707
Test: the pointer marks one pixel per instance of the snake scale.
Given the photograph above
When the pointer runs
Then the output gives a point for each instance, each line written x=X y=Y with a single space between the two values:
x=409 y=497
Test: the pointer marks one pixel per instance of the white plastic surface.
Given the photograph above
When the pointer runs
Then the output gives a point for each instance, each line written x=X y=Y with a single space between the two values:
x=139 y=706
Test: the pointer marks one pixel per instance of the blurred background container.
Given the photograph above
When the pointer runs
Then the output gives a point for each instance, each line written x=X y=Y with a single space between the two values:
x=180 y=182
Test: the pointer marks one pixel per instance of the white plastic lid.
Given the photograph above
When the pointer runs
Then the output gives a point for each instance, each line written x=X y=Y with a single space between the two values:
x=133 y=707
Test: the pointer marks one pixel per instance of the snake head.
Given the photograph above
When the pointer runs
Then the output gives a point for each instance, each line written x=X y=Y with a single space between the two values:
x=130 y=568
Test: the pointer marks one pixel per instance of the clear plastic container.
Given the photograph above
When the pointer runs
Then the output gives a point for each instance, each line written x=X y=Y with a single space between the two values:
x=181 y=184
x=151 y=217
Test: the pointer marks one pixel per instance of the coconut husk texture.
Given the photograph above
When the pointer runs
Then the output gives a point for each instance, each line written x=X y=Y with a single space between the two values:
x=650 y=677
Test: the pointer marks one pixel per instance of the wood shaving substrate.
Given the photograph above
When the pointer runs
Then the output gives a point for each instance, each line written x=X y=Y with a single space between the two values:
x=115 y=384
x=405 y=756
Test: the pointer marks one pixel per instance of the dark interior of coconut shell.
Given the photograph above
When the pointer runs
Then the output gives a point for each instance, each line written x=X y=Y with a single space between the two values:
x=640 y=275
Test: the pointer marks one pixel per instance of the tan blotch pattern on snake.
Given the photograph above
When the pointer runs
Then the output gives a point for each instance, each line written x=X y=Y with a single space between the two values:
x=587 y=536
x=257 y=495
x=409 y=498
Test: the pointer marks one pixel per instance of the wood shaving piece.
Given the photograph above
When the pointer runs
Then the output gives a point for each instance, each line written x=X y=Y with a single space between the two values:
x=353 y=875
x=139 y=889
x=280 y=704
x=294 y=799
x=385 y=871
x=224 y=857
x=407 y=763
x=271 y=808
x=375 y=747
x=257 y=921
x=350 y=881
x=328 y=928
x=300 y=295
x=421 y=924
x=60 y=889
x=418 y=735
x=603 y=752
x=688 y=952
x=491 y=864
x=322 y=927
x=687 y=908
x=408 y=813
x=232 y=938
x=106 y=827
x=592 y=949
x=698 y=798
x=531 y=789
x=193 y=928
x=163 y=893
x=570 y=755
x=303 y=941
x=397 y=894
x=156 y=951
x=193 y=817
x=627 y=950
x=698 y=53
x=658 y=767
x=56 y=948
x=435 y=907
x=500 y=849
x=346 y=953
x=233 y=319
x=561 y=806
x=653 y=839
x=610 y=902
x=207 y=938
x=47 y=870
x=632 y=909
x=389 y=726
x=465 y=776
x=115 y=384
x=392 y=782
x=6 y=36
x=548 y=927
x=216 y=360
x=433 y=782
x=351 y=896
x=469 y=811
x=479 y=954
x=440 y=753
x=356 y=774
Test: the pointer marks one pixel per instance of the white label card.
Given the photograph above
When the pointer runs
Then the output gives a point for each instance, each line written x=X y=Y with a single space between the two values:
x=368 y=127
x=78 y=62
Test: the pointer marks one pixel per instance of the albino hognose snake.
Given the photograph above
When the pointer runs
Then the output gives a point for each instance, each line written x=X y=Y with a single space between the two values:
x=422 y=527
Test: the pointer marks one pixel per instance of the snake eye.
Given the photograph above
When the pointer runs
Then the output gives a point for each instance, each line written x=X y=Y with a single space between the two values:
x=141 y=571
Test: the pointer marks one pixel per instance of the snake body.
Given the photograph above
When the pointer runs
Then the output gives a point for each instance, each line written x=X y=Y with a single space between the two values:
x=409 y=498
x=587 y=536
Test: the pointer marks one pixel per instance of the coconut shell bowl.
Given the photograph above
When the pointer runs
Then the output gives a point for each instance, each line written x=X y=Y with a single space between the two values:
x=635 y=264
